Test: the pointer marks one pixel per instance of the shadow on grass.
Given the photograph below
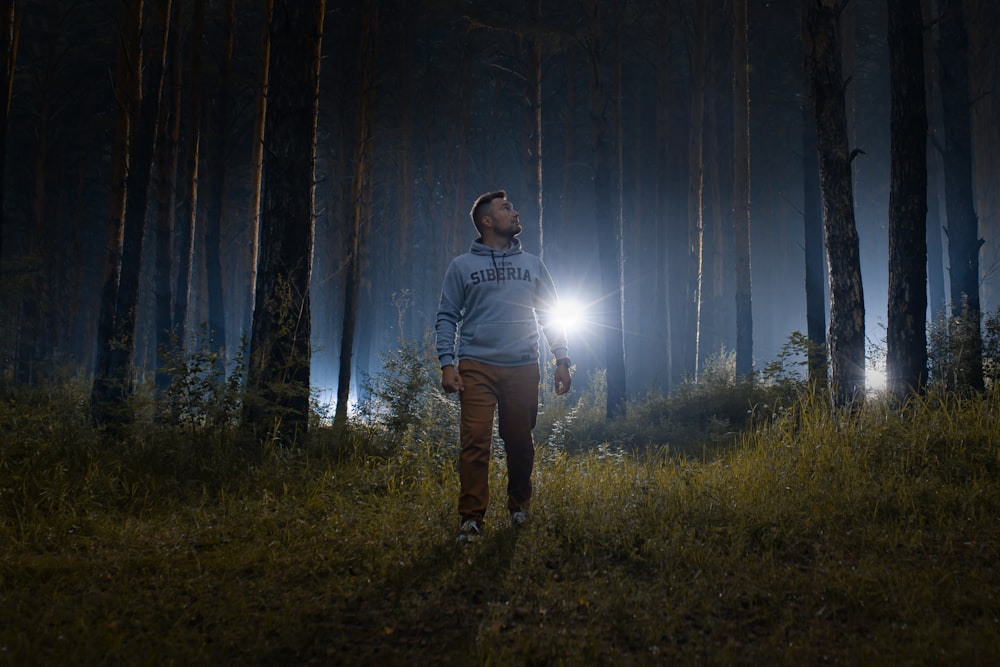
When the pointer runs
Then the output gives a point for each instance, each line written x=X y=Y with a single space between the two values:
x=428 y=609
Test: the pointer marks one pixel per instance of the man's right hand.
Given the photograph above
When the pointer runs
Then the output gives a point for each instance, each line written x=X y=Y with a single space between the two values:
x=451 y=380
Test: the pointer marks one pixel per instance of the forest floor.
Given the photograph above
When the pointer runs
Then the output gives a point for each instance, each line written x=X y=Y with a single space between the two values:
x=867 y=539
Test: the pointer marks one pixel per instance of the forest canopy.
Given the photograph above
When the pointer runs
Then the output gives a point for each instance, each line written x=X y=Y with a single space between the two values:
x=461 y=97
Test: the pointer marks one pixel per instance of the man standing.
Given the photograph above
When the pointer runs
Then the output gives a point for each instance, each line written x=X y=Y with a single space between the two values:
x=490 y=297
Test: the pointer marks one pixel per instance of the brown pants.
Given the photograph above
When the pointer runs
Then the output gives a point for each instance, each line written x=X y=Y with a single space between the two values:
x=513 y=391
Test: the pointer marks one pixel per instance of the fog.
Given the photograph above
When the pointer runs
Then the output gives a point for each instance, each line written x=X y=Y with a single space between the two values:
x=452 y=119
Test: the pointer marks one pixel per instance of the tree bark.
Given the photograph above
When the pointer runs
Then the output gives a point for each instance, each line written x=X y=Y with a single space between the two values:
x=113 y=378
x=167 y=160
x=937 y=293
x=812 y=220
x=847 y=313
x=10 y=29
x=215 y=162
x=360 y=208
x=741 y=192
x=696 y=185
x=277 y=404
x=609 y=224
x=662 y=245
x=533 y=120
x=906 y=338
x=188 y=215
x=257 y=161
x=963 y=225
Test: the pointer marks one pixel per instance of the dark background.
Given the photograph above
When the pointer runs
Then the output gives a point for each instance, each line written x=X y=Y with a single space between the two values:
x=452 y=120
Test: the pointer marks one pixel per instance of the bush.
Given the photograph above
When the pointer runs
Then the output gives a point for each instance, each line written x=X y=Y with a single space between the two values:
x=950 y=341
x=405 y=406
x=698 y=416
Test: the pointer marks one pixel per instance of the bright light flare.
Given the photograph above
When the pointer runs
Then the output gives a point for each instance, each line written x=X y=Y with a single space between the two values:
x=570 y=314
x=875 y=379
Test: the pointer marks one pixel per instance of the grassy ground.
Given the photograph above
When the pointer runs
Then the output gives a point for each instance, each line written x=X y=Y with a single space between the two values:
x=870 y=538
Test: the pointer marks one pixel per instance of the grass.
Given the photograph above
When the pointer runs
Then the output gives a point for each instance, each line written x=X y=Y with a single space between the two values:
x=816 y=537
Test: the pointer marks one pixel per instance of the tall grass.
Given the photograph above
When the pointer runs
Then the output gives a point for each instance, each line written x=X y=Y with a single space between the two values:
x=790 y=533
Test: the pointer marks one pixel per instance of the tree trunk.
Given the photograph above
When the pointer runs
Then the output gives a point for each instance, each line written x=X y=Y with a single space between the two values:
x=36 y=293
x=188 y=215
x=982 y=17
x=277 y=403
x=741 y=192
x=257 y=160
x=167 y=158
x=215 y=187
x=360 y=206
x=963 y=225
x=696 y=184
x=128 y=85
x=609 y=225
x=113 y=377
x=906 y=336
x=533 y=121
x=662 y=245
x=10 y=27
x=937 y=294
x=812 y=220
x=847 y=311
x=408 y=329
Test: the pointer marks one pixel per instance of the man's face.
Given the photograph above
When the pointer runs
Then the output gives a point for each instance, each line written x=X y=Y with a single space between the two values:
x=506 y=221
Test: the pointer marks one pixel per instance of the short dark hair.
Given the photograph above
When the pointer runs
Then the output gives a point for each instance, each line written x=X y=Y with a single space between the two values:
x=482 y=201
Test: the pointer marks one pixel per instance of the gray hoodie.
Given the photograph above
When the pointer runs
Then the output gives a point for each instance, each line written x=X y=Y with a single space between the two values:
x=491 y=297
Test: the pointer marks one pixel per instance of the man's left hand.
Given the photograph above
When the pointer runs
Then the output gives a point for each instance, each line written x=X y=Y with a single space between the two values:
x=563 y=380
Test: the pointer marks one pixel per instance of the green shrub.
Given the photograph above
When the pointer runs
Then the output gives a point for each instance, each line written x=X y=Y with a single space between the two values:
x=950 y=340
x=405 y=408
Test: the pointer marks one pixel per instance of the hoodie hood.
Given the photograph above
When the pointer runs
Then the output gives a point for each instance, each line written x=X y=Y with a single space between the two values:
x=480 y=248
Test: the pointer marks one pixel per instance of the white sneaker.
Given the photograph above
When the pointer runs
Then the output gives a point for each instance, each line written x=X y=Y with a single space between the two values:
x=469 y=531
x=518 y=518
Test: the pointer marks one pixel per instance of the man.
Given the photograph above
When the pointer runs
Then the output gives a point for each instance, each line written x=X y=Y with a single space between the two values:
x=490 y=297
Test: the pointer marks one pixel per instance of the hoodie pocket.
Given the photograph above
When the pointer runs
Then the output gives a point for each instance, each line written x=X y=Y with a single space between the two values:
x=504 y=342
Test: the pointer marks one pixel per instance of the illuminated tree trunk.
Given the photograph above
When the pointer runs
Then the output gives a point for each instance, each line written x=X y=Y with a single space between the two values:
x=696 y=184
x=937 y=294
x=609 y=223
x=257 y=161
x=847 y=312
x=360 y=207
x=906 y=337
x=963 y=225
x=696 y=187
x=113 y=379
x=277 y=404
x=741 y=191
x=188 y=215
